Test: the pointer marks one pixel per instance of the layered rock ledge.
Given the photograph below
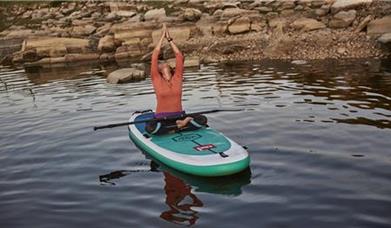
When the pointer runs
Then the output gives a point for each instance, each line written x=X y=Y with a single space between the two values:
x=52 y=33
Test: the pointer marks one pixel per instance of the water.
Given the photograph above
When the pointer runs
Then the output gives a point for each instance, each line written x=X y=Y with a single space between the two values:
x=318 y=135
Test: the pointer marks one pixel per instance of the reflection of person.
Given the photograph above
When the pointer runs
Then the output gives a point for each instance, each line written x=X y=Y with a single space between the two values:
x=168 y=88
x=180 y=200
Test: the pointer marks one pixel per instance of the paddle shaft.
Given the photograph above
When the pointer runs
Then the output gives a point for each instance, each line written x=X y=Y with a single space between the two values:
x=165 y=118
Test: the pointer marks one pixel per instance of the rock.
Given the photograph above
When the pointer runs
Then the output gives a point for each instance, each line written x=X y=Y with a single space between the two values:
x=106 y=57
x=363 y=24
x=287 y=5
x=379 y=26
x=321 y=12
x=155 y=14
x=307 y=24
x=264 y=9
x=240 y=25
x=125 y=13
x=348 y=4
x=287 y=12
x=69 y=8
x=233 y=12
x=258 y=23
x=106 y=44
x=343 y=19
x=385 y=38
x=341 y=50
x=81 y=57
x=128 y=51
x=278 y=22
x=191 y=14
x=20 y=33
x=299 y=8
x=317 y=3
x=178 y=34
x=227 y=5
x=189 y=62
x=56 y=43
x=112 y=16
x=125 y=75
x=83 y=30
x=103 y=30
x=299 y=62
x=51 y=51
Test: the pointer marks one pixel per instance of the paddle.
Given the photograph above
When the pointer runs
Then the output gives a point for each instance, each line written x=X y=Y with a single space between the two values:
x=166 y=118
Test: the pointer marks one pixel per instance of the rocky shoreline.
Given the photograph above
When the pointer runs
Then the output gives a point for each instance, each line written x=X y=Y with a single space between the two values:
x=50 y=33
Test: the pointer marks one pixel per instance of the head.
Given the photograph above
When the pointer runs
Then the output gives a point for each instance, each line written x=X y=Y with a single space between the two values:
x=166 y=70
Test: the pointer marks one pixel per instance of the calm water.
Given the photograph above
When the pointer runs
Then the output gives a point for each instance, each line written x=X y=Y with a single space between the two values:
x=319 y=137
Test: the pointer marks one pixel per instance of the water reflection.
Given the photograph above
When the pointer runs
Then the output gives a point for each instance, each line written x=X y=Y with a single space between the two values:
x=180 y=200
x=180 y=190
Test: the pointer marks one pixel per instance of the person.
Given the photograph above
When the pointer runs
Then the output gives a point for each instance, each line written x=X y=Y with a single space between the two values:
x=167 y=84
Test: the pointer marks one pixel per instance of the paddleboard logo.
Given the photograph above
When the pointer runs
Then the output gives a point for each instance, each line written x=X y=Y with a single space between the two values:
x=189 y=137
x=204 y=147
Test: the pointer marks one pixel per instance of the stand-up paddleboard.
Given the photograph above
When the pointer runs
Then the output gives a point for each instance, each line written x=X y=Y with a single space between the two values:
x=203 y=152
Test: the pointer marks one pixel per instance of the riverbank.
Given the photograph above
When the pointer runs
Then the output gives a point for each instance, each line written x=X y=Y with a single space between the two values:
x=51 y=33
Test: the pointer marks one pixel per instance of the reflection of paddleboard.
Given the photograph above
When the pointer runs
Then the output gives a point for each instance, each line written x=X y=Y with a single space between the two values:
x=203 y=152
x=225 y=185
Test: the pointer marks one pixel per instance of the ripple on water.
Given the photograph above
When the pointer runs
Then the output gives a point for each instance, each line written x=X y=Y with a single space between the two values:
x=318 y=136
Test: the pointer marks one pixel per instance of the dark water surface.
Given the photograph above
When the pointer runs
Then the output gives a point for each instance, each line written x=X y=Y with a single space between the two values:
x=319 y=137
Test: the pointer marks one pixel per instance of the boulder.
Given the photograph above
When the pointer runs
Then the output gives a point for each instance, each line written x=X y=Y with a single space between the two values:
x=112 y=16
x=363 y=24
x=125 y=75
x=287 y=5
x=240 y=25
x=125 y=13
x=379 y=26
x=24 y=33
x=128 y=51
x=79 y=45
x=51 y=51
x=233 y=12
x=385 y=38
x=72 y=58
x=155 y=14
x=258 y=23
x=106 y=57
x=189 y=62
x=106 y=44
x=83 y=30
x=191 y=14
x=128 y=31
x=226 y=5
x=348 y=4
x=321 y=12
x=342 y=19
x=307 y=24
x=178 y=34
x=264 y=9
x=101 y=31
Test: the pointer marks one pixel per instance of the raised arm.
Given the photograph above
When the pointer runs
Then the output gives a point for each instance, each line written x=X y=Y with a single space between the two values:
x=156 y=52
x=179 y=59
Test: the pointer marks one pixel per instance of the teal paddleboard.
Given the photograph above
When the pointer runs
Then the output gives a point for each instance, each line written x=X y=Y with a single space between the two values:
x=202 y=152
